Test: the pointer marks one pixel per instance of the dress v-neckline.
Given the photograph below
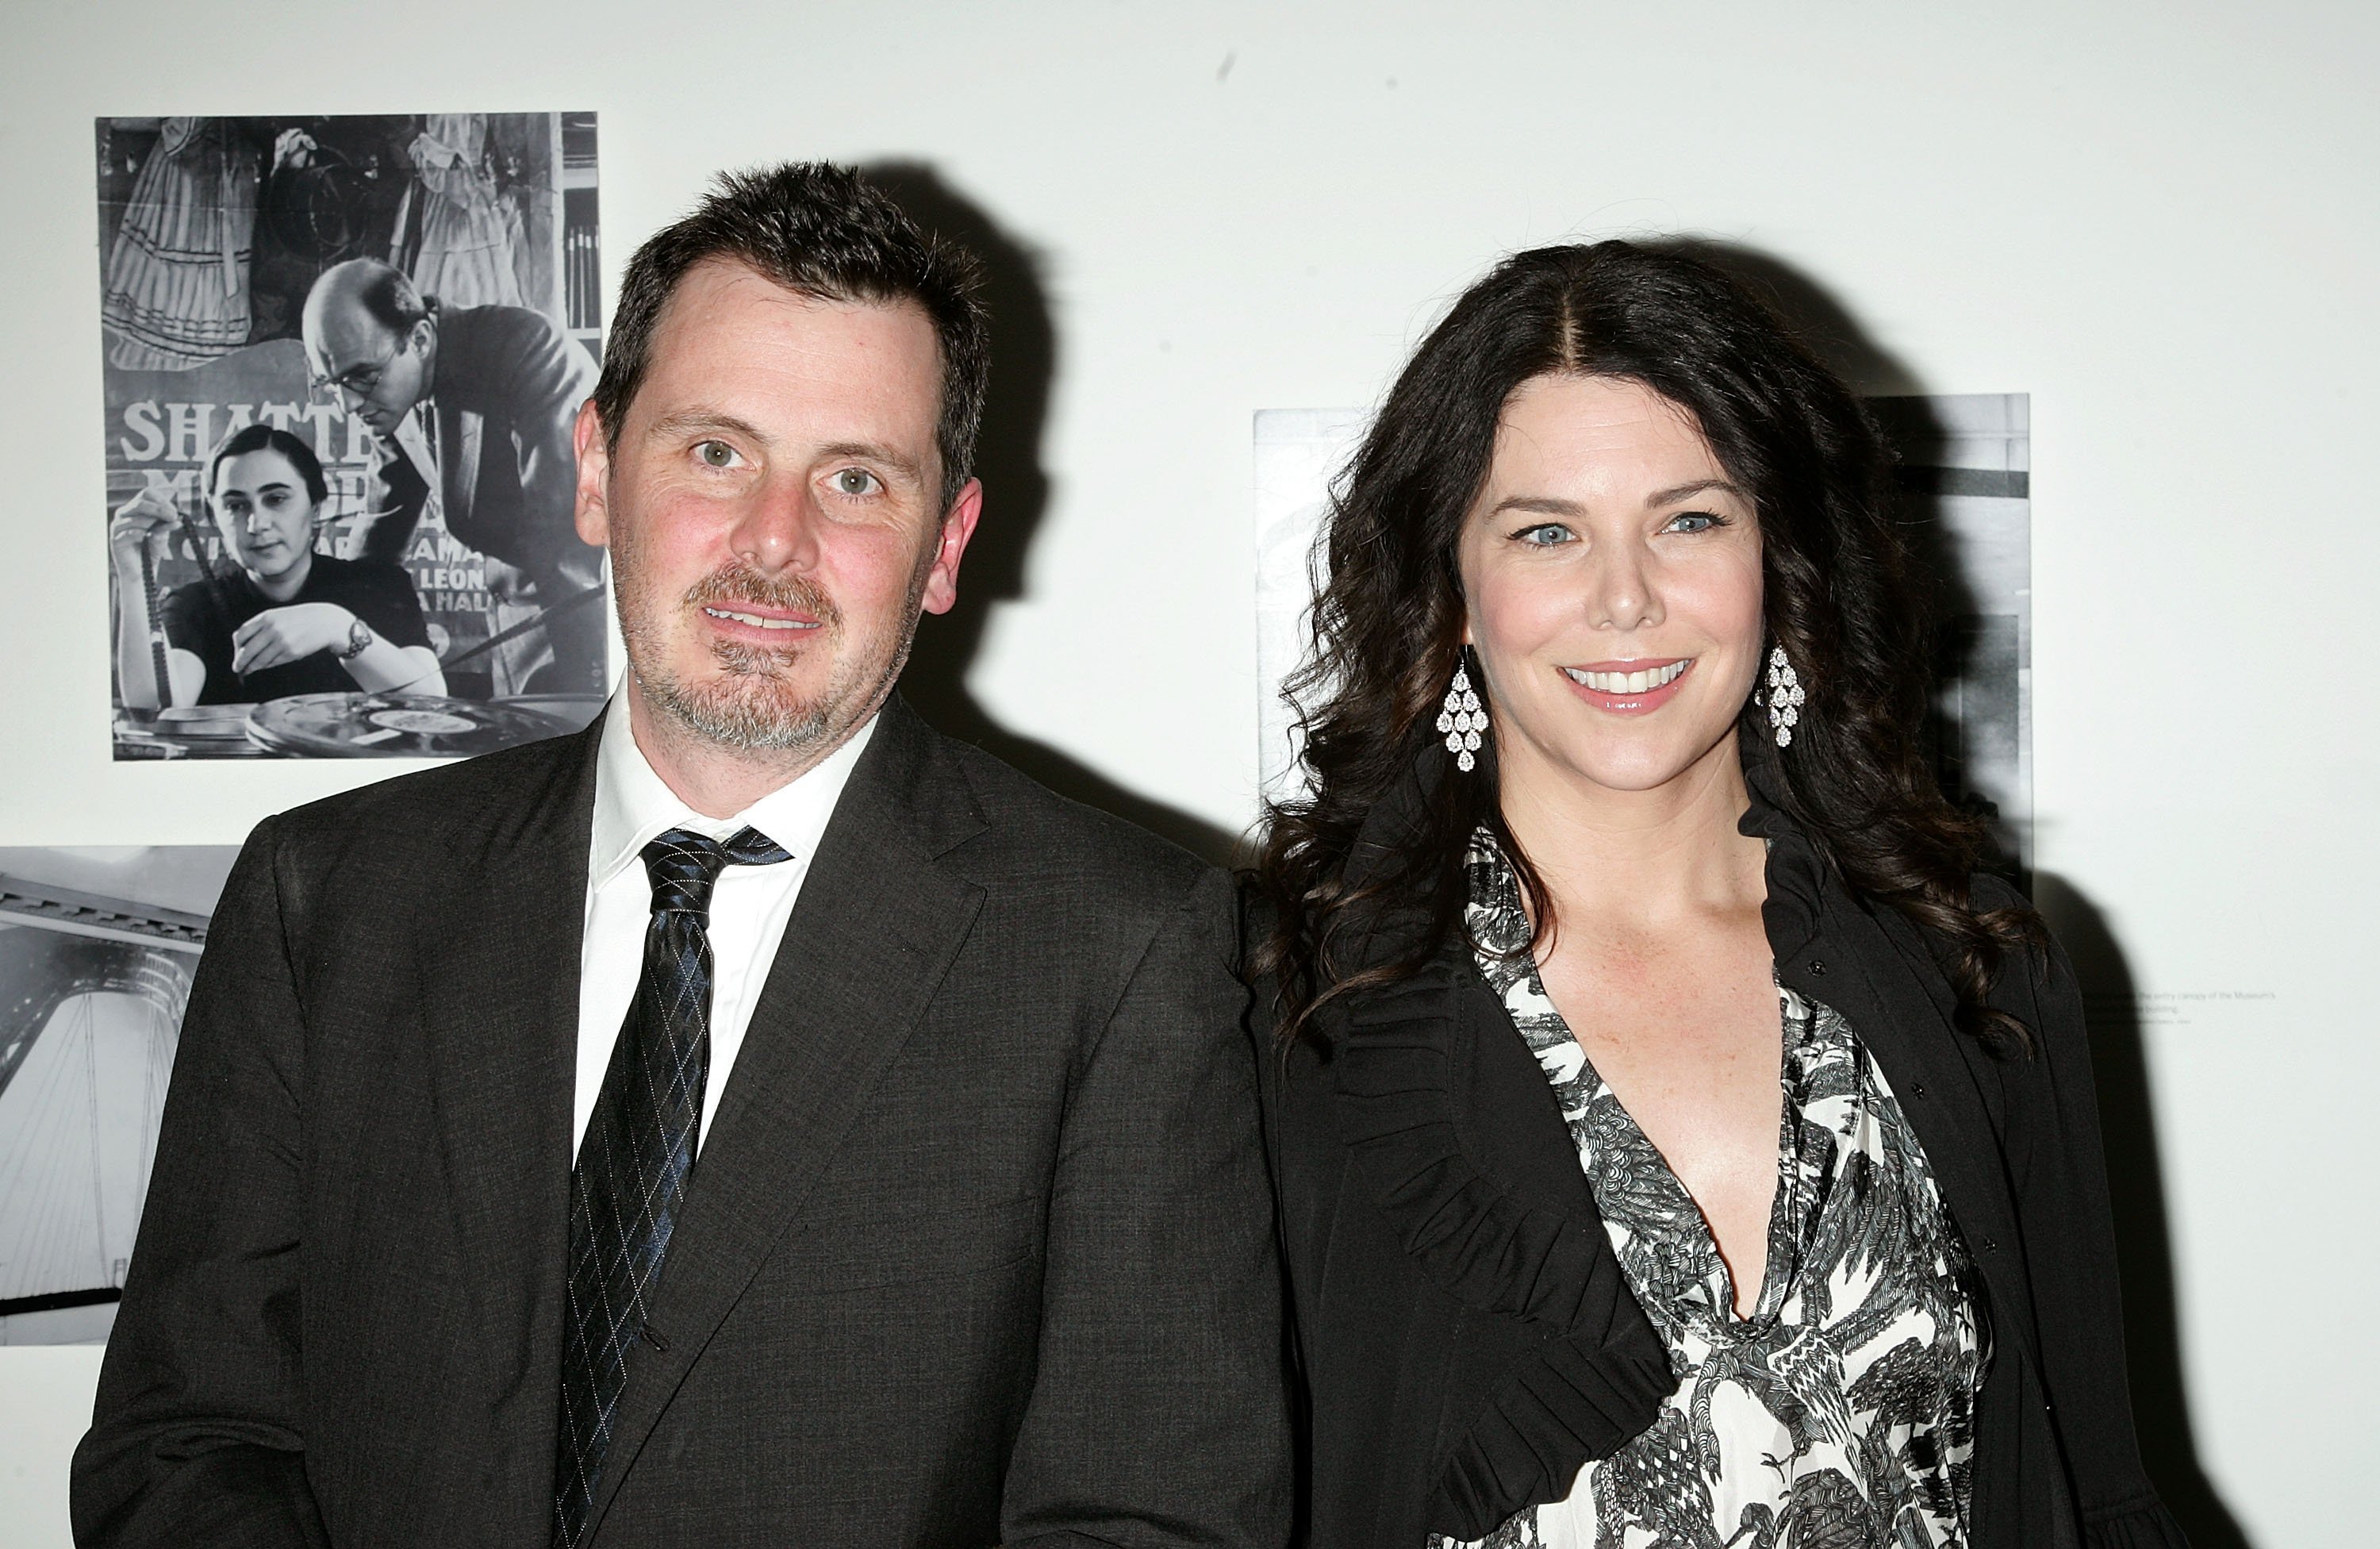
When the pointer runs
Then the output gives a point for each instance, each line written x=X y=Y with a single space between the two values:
x=1787 y=1217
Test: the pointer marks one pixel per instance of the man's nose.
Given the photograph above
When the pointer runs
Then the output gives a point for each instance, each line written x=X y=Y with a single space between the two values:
x=778 y=531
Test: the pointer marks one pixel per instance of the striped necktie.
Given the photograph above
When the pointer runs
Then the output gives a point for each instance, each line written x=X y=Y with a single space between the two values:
x=641 y=1143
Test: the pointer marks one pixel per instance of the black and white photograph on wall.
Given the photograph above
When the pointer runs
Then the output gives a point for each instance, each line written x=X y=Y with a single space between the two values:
x=342 y=359
x=1964 y=467
x=97 y=948
x=1965 y=471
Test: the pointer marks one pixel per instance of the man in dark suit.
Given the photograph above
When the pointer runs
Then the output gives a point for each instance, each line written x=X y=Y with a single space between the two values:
x=480 y=405
x=756 y=1119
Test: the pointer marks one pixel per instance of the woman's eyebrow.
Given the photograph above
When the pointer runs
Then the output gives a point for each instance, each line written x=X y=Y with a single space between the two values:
x=1540 y=505
x=1687 y=492
x=1554 y=506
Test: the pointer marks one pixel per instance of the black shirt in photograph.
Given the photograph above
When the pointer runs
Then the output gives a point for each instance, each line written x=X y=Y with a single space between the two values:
x=203 y=617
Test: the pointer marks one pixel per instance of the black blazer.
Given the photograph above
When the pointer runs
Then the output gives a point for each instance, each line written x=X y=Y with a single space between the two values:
x=977 y=1249
x=1467 y=1340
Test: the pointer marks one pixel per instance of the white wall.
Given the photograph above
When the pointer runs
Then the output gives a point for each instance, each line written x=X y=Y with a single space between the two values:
x=2155 y=219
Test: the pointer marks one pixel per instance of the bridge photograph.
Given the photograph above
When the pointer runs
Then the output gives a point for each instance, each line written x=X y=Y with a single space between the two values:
x=97 y=948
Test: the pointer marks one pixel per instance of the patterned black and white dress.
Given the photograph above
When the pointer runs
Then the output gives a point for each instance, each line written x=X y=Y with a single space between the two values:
x=1841 y=1414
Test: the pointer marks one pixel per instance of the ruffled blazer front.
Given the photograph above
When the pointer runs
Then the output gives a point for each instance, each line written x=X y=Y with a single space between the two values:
x=1466 y=1339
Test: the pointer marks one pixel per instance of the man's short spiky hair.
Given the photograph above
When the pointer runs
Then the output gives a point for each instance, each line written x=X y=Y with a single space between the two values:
x=822 y=231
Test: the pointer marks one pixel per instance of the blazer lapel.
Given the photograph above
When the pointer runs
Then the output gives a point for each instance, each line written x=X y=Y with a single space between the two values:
x=499 y=972
x=1938 y=1076
x=463 y=432
x=874 y=932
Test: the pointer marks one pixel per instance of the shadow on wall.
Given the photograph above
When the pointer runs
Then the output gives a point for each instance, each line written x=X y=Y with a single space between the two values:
x=2128 y=1123
x=2136 y=1192
x=1016 y=492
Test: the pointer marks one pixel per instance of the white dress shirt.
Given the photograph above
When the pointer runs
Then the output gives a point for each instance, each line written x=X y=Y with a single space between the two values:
x=748 y=908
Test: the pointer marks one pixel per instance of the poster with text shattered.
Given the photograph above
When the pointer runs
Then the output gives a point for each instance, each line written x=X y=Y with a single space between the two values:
x=341 y=356
x=1965 y=471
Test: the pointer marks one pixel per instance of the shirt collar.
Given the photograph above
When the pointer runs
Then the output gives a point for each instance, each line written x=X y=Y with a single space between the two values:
x=633 y=805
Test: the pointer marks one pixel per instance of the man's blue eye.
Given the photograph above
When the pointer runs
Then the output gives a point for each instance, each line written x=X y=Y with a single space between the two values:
x=717 y=453
x=854 y=482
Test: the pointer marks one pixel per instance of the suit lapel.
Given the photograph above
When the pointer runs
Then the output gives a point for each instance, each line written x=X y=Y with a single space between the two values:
x=462 y=433
x=499 y=972
x=875 y=930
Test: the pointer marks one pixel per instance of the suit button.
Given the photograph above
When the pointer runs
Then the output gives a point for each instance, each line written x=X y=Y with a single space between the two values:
x=1919 y=1089
x=1817 y=967
x=1990 y=1247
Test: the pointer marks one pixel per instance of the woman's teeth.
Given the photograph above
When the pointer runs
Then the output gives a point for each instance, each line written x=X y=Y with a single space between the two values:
x=1627 y=682
x=756 y=620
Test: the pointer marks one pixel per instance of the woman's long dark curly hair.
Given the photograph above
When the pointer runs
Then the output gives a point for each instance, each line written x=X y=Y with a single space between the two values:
x=1388 y=623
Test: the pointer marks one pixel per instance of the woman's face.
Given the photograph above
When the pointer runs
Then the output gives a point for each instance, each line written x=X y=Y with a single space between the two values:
x=263 y=512
x=1611 y=570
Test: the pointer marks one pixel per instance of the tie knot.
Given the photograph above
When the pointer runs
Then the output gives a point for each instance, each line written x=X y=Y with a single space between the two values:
x=682 y=865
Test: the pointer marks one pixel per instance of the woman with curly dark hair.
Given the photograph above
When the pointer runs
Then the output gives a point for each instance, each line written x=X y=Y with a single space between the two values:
x=1679 y=1140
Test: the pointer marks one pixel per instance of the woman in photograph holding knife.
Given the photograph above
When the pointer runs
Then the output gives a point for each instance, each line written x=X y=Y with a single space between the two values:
x=282 y=619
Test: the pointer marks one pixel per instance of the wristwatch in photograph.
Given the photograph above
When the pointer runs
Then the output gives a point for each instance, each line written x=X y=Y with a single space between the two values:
x=360 y=638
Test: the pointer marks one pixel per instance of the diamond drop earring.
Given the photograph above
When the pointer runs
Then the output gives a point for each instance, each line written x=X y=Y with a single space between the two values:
x=1784 y=697
x=1462 y=720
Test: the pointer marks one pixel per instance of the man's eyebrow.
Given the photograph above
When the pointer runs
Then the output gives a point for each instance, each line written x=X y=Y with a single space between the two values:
x=872 y=452
x=671 y=425
x=692 y=422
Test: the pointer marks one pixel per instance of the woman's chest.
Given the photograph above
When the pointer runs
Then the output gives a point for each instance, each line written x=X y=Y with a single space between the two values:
x=1692 y=1053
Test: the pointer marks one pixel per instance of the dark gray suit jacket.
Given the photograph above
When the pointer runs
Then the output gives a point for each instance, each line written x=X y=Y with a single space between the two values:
x=978 y=1248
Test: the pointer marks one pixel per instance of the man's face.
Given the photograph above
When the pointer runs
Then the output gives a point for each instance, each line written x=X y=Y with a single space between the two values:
x=374 y=373
x=773 y=510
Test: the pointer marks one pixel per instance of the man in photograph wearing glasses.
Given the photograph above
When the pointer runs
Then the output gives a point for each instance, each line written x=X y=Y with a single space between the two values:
x=474 y=409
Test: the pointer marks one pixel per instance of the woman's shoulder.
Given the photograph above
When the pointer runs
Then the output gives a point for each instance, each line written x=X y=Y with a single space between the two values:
x=206 y=603
x=2035 y=984
x=332 y=565
x=333 y=574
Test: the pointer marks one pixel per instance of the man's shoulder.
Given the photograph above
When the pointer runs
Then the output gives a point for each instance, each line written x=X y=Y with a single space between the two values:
x=1033 y=836
x=429 y=806
x=498 y=321
x=512 y=345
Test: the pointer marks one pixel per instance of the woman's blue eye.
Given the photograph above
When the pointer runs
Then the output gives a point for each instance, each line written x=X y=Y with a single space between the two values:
x=1694 y=521
x=1545 y=535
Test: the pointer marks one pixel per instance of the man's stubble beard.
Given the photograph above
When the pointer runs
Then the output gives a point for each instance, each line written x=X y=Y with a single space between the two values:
x=752 y=706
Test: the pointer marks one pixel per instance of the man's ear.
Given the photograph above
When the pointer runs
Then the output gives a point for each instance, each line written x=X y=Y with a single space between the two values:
x=950 y=546
x=592 y=512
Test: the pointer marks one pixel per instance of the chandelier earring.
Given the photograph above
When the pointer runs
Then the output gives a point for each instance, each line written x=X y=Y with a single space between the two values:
x=1462 y=719
x=1784 y=697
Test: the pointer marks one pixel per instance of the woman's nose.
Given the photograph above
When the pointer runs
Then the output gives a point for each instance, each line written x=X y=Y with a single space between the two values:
x=1624 y=596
